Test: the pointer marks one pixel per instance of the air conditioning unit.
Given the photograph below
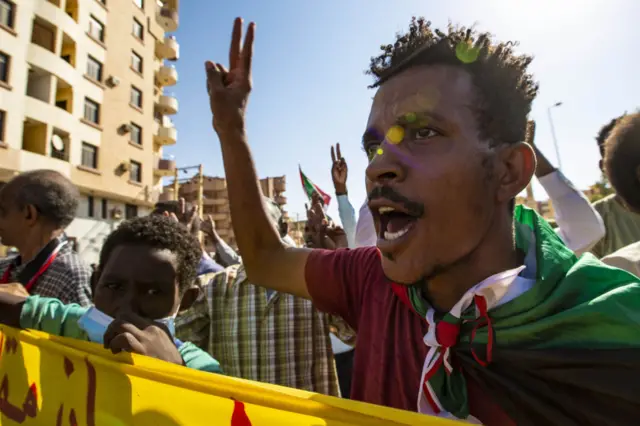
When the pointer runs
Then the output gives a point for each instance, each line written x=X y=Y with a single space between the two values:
x=113 y=81
x=125 y=128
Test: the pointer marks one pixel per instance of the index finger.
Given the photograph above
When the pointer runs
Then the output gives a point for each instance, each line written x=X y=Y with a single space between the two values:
x=234 y=49
x=338 y=150
x=247 y=49
x=333 y=155
x=182 y=206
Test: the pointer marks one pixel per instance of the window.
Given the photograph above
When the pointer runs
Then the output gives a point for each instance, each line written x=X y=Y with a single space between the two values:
x=136 y=62
x=136 y=97
x=7 y=13
x=91 y=111
x=96 y=28
x=136 y=134
x=3 y=117
x=5 y=60
x=62 y=104
x=105 y=209
x=90 y=206
x=138 y=29
x=94 y=68
x=130 y=211
x=135 y=173
x=139 y=3
x=89 y=155
x=66 y=58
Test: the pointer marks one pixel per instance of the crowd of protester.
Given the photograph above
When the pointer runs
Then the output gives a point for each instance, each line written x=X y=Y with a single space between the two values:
x=462 y=304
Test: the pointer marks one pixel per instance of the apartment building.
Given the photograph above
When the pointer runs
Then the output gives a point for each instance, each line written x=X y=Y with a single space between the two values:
x=216 y=201
x=83 y=90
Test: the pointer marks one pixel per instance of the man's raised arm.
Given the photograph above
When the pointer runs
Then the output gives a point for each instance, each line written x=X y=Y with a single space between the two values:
x=268 y=262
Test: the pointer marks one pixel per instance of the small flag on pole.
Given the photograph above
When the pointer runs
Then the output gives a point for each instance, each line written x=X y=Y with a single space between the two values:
x=310 y=187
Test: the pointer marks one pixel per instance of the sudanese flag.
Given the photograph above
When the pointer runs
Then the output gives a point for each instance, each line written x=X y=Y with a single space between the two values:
x=310 y=188
x=565 y=352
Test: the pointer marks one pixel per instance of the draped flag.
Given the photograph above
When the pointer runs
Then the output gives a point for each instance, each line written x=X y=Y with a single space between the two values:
x=50 y=380
x=310 y=188
x=565 y=352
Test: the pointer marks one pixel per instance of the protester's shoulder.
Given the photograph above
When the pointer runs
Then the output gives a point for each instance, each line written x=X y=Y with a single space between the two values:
x=71 y=263
x=197 y=359
x=363 y=263
x=604 y=205
x=627 y=258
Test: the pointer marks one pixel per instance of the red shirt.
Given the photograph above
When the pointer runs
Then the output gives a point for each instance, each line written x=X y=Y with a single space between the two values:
x=390 y=351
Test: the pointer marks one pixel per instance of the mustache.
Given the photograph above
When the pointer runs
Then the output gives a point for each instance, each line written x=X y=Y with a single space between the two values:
x=413 y=208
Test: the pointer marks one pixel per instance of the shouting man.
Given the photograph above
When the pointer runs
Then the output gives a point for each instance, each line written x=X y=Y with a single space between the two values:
x=467 y=307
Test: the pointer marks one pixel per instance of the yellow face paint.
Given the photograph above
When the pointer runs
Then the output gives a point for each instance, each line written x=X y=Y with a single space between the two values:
x=379 y=151
x=395 y=135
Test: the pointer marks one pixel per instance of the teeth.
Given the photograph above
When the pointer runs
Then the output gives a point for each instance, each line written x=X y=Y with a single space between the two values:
x=383 y=210
x=390 y=236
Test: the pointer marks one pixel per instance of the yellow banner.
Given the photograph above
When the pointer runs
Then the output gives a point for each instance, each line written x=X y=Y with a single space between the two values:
x=49 y=380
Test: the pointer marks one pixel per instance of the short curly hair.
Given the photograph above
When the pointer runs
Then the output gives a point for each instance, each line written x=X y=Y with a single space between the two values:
x=604 y=133
x=622 y=159
x=53 y=195
x=161 y=233
x=505 y=88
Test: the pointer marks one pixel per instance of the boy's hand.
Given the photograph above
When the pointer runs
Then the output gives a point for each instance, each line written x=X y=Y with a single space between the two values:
x=132 y=333
x=339 y=170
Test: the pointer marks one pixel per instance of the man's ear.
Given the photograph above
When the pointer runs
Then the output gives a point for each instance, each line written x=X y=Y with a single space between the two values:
x=31 y=214
x=189 y=297
x=518 y=165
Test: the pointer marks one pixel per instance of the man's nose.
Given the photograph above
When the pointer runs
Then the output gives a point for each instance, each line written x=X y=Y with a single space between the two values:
x=386 y=167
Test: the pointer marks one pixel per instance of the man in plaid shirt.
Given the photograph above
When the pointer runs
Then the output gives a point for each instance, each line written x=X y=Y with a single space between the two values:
x=35 y=208
x=262 y=335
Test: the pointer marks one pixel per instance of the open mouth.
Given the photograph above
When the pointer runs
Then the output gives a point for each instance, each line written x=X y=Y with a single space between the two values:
x=394 y=223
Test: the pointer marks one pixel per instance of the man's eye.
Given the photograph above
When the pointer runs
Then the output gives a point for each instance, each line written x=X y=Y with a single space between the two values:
x=424 y=133
x=113 y=286
x=371 y=149
x=153 y=292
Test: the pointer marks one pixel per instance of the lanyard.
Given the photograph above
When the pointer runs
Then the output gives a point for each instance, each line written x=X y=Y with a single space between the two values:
x=7 y=274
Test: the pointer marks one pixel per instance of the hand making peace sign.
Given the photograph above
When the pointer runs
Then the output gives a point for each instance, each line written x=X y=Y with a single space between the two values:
x=229 y=89
x=338 y=170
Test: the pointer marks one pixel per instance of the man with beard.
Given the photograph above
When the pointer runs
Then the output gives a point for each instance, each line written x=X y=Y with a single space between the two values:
x=467 y=307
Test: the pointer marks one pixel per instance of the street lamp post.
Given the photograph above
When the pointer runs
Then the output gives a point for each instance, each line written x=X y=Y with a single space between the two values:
x=553 y=134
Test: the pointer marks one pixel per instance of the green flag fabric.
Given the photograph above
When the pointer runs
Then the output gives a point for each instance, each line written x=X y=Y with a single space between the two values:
x=566 y=351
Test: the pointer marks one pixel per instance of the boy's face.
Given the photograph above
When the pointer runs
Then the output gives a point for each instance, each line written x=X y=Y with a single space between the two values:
x=141 y=280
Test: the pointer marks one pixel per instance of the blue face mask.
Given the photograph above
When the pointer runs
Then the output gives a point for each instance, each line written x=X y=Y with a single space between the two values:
x=95 y=323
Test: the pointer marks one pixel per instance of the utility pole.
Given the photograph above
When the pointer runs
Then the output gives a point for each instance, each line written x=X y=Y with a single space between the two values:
x=529 y=138
x=200 y=197
x=553 y=133
x=176 y=184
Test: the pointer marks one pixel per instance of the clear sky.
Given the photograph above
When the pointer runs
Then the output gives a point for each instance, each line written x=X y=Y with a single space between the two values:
x=310 y=89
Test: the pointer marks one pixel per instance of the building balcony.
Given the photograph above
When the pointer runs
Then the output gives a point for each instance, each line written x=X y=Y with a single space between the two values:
x=281 y=200
x=167 y=105
x=167 y=16
x=167 y=75
x=168 y=48
x=219 y=216
x=164 y=168
x=164 y=135
x=280 y=184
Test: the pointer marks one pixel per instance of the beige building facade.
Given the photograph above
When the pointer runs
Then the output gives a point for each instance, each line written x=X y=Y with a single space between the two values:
x=85 y=90
x=216 y=201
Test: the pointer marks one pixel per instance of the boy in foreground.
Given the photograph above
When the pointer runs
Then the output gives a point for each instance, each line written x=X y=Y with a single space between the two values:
x=146 y=275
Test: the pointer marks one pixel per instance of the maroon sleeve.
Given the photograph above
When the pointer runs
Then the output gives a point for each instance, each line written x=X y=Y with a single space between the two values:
x=338 y=280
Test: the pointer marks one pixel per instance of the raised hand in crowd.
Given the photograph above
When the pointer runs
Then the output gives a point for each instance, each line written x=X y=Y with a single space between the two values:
x=339 y=170
x=229 y=88
x=320 y=232
x=187 y=215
